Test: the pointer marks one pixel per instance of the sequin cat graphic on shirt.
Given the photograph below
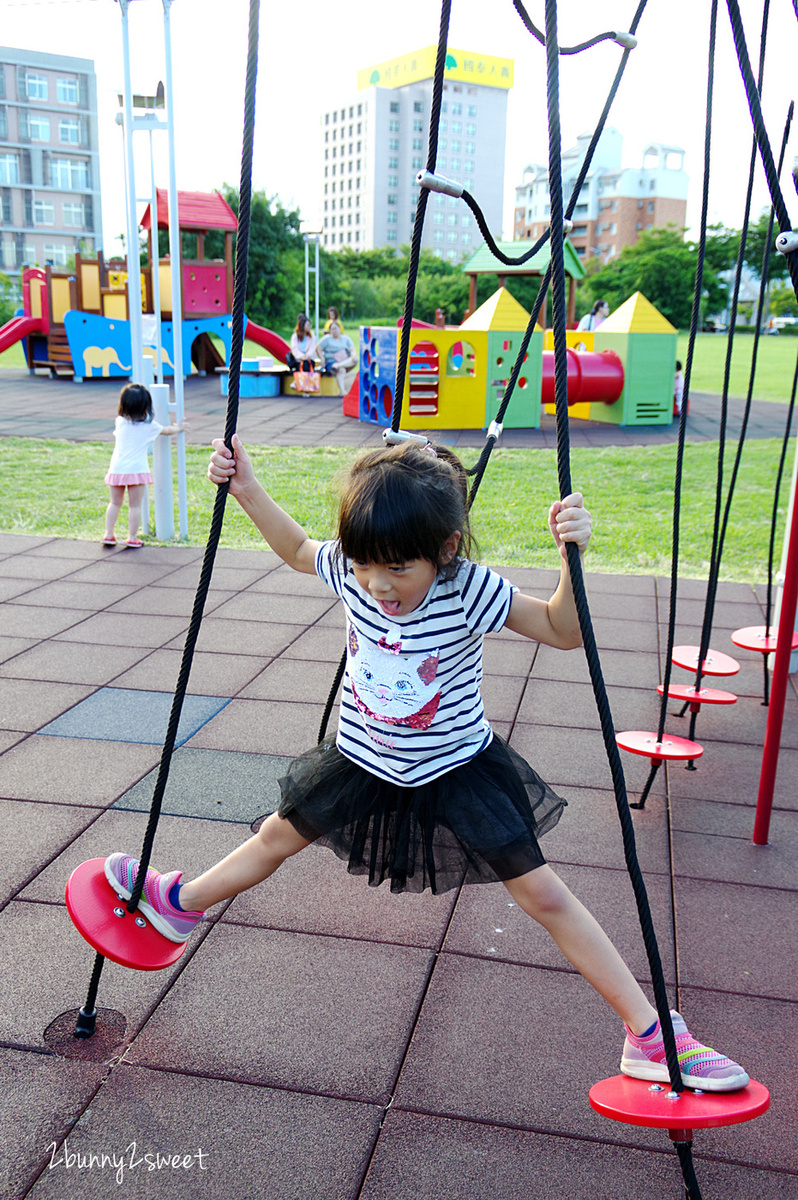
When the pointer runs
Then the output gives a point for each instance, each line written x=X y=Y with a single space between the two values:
x=388 y=686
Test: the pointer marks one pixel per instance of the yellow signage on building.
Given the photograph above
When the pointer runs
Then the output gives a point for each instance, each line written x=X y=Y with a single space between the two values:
x=461 y=65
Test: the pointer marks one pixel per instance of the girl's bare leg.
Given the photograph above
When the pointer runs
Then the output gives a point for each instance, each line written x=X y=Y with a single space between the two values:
x=135 y=499
x=250 y=863
x=544 y=896
x=112 y=511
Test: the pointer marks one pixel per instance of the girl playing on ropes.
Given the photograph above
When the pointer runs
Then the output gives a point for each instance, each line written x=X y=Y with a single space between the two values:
x=416 y=788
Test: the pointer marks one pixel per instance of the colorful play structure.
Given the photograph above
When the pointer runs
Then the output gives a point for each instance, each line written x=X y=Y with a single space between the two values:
x=76 y=322
x=623 y=373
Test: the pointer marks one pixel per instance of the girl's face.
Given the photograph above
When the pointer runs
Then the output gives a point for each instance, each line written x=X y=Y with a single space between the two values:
x=399 y=588
x=307 y=329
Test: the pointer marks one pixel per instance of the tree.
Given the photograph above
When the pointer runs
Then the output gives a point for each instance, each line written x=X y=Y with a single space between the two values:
x=661 y=265
x=755 y=249
x=8 y=300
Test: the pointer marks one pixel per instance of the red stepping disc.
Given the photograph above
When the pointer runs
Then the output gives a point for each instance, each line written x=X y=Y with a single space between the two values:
x=95 y=909
x=715 y=663
x=756 y=637
x=639 y=741
x=635 y=1103
x=695 y=697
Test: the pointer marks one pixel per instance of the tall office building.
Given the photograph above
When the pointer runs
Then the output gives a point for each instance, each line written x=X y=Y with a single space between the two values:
x=616 y=204
x=375 y=143
x=49 y=161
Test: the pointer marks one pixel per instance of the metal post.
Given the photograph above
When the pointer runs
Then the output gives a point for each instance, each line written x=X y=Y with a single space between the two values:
x=154 y=269
x=783 y=567
x=770 y=752
x=162 y=466
x=175 y=256
x=133 y=260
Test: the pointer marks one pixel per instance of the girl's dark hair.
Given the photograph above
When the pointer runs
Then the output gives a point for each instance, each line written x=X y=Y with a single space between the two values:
x=135 y=403
x=402 y=502
x=300 y=325
x=599 y=304
x=333 y=309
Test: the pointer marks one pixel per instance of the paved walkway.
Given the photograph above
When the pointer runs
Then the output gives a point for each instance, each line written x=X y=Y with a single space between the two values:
x=320 y=1038
x=37 y=406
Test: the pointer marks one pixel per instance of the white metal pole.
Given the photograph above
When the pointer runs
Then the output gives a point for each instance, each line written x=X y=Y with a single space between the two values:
x=174 y=252
x=154 y=270
x=133 y=260
x=317 y=286
x=162 y=466
x=307 y=281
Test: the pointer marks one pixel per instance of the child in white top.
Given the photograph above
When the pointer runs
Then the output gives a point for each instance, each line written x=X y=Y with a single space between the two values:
x=416 y=788
x=134 y=431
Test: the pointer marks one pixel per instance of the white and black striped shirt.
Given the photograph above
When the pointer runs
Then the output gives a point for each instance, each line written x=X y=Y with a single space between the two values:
x=411 y=707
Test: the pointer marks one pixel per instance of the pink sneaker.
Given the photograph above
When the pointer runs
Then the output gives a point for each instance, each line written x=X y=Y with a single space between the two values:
x=702 y=1068
x=173 y=923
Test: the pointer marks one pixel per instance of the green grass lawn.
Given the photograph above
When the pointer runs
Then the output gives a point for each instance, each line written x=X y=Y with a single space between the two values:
x=55 y=488
x=774 y=371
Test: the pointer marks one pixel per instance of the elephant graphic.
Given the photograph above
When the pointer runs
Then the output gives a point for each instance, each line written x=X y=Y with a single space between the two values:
x=152 y=353
x=103 y=357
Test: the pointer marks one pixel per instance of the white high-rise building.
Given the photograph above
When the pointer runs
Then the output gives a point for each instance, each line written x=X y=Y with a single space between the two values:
x=49 y=159
x=375 y=143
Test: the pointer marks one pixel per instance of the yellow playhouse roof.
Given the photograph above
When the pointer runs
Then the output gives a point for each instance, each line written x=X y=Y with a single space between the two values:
x=637 y=315
x=500 y=311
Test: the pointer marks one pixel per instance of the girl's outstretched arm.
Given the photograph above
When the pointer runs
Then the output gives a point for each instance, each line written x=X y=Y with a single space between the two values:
x=285 y=536
x=555 y=622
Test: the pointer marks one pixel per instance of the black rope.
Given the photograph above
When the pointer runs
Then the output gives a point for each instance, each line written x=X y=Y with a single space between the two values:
x=418 y=224
x=242 y=243
x=719 y=524
x=610 y=36
x=577 y=582
x=760 y=132
x=478 y=470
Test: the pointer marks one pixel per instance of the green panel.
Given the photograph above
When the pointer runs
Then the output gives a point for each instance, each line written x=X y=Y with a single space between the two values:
x=612 y=414
x=649 y=364
x=523 y=411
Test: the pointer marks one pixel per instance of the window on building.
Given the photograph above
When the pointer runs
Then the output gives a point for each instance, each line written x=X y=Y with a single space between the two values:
x=393 y=181
x=650 y=208
x=350 y=147
x=444 y=106
x=437 y=235
x=451 y=238
x=469 y=166
x=391 y=235
x=442 y=127
x=437 y=218
x=343 y=114
x=455 y=146
x=452 y=255
x=457 y=127
x=351 y=127
x=2 y=82
x=471 y=130
x=395 y=106
x=440 y=164
x=441 y=144
x=393 y=164
x=639 y=226
x=326 y=153
x=43 y=212
x=57 y=255
x=457 y=110
x=465 y=238
x=393 y=143
x=652 y=184
x=418 y=144
x=360 y=114
x=38 y=128
x=351 y=111
x=454 y=164
x=36 y=86
x=326 y=118
x=418 y=106
x=451 y=219
x=391 y=218
x=418 y=126
x=72 y=212
x=358 y=147
x=472 y=110
x=393 y=126
x=335 y=116
x=470 y=148
x=9 y=168
x=418 y=164
x=614 y=206
x=468 y=184
x=649 y=225
x=465 y=221
x=358 y=130
x=392 y=198
x=3 y=122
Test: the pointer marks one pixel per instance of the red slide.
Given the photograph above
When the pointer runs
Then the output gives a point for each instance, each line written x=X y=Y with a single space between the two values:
x=17 y=328
x=264 y=337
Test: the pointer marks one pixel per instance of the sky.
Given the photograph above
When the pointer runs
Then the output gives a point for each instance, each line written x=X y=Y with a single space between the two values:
x=309 y=56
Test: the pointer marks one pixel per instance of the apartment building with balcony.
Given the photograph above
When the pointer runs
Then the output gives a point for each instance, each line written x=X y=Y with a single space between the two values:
x=616 y=204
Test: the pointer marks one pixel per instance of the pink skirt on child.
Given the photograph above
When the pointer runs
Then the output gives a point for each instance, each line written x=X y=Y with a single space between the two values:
x=115 y=480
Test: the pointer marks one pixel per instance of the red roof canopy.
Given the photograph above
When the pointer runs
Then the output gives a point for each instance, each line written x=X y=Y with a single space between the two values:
x=195 y=210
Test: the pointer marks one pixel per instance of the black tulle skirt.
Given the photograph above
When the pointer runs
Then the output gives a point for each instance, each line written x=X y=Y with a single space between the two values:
x=478 y=823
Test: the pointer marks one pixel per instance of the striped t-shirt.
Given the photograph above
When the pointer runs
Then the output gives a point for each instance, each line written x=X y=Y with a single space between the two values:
x=411 y=707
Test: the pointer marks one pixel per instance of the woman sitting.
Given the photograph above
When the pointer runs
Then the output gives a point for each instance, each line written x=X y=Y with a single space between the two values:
x=337 y=354
x=302 y=355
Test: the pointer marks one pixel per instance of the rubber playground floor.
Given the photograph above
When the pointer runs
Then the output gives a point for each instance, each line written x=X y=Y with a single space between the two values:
x=319 y=1038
